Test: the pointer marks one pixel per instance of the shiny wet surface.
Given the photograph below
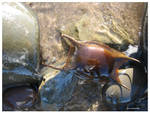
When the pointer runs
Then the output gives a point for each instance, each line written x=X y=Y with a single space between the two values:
x=63 y=90
x=19 y=98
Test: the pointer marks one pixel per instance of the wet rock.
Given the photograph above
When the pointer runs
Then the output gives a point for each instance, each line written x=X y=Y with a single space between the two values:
x=93 y=29
x=143 y=46
x=65 y=91
x=20 y=45
x=140 y=104
x=86 y=97
x=19 y=98
x=56 y=89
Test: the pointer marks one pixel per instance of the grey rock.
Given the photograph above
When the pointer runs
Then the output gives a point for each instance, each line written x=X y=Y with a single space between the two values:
x=57 y=89
x=88 y=29
x=143 y=46
x=20 y=44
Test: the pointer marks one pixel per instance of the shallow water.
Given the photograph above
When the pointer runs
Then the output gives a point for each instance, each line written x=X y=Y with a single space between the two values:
x=116 y=24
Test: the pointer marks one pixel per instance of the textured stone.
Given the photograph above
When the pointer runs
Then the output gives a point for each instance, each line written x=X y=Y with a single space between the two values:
x=56 y=89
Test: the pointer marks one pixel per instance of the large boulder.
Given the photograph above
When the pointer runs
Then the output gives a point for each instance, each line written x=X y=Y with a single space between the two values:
x=20 y=57
x=20 y=45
